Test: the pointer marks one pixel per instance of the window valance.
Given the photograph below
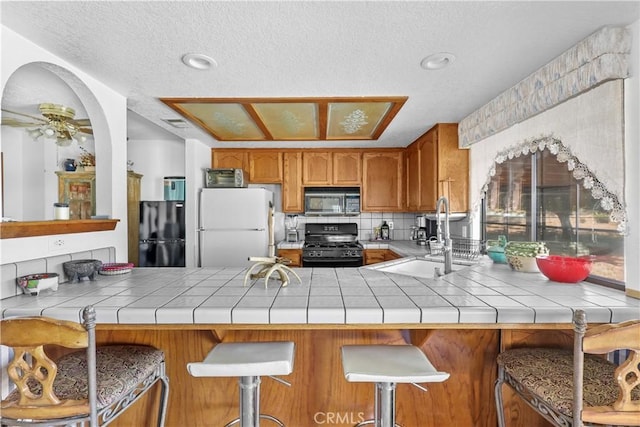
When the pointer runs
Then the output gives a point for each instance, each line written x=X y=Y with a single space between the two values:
x=600 y=57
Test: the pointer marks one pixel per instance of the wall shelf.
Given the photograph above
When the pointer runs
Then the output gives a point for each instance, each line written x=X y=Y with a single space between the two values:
x=12 y=230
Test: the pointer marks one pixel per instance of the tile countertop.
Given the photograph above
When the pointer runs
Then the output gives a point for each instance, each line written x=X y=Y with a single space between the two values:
x=401 y=247
x=485 y=293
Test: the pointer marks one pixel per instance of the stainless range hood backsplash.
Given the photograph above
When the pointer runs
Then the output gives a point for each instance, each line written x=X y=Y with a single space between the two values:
x=367 y=221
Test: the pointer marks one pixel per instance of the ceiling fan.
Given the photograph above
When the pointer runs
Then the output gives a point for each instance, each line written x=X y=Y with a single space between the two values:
x=57 y=122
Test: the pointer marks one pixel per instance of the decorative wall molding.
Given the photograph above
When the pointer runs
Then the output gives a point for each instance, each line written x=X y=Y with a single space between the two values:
x=601 y=57
x=581 y=172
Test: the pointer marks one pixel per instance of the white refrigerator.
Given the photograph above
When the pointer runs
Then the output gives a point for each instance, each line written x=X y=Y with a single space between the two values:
x=233 y=226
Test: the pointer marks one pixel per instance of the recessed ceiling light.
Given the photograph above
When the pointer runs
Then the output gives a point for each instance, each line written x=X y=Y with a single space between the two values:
x=437 y=61
x=198 y=61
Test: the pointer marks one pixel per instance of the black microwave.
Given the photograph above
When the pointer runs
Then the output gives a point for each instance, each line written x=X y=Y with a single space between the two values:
x=331 y=201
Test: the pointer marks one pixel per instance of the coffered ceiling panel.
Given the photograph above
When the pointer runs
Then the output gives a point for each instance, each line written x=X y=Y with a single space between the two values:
x=290 y=119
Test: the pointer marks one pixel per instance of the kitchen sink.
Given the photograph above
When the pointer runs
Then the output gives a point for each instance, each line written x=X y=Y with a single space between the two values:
x=416 y=266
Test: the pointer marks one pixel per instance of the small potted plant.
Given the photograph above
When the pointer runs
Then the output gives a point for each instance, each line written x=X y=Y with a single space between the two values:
x=87 y=160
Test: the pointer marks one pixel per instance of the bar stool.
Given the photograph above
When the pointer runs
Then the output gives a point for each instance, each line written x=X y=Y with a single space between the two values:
x=387 y=365
x=248 y=361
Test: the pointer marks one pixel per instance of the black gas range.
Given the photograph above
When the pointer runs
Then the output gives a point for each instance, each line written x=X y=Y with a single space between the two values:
x=331 y=245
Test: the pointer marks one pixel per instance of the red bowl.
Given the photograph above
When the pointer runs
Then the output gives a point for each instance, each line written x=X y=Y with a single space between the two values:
x=564 y=268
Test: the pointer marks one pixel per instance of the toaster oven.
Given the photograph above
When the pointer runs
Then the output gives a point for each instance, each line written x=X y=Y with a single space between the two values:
x=226 y=178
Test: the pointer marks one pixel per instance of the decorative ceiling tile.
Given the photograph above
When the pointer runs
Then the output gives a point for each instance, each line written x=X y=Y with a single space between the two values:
x=356 y=120
x=300 y=119
x=289 y=120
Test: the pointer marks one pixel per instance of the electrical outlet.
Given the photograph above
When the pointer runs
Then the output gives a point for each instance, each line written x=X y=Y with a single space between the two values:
x=390 y=224
x=56 y=244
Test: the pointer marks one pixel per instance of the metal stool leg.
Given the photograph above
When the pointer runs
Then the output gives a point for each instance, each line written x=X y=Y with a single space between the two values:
x=384 y=406
x=249 y=401
x=386 y=411
x=250 y=404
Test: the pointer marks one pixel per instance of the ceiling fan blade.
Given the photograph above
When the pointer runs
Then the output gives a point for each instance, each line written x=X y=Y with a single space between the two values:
x=39 y=119
x=80 y=122
x=86 y=130
x=9 y=121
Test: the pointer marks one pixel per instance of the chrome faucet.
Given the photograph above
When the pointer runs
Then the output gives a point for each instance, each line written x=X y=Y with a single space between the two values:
x=446 y=241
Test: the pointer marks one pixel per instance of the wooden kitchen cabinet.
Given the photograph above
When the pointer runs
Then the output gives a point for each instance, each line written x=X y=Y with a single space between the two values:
x=262 y=166
x=347 y=168
x=265 y=166
x=133 y=215
x=230 y=159
x=295 y=255
x=316 y=167
x=444 y=169
x=292 y=190
x=382 y=181
x=412 y=173
x=374 y=256
x=78 y=189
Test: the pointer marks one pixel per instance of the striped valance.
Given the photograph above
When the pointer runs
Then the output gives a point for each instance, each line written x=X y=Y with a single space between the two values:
x=600 y=57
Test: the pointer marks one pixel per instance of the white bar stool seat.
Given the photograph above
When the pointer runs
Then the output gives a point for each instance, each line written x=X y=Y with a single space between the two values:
x=249 y=361
x=387 y=365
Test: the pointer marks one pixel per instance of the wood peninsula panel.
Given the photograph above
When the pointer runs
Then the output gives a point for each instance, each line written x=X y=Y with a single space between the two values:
x=318 y=385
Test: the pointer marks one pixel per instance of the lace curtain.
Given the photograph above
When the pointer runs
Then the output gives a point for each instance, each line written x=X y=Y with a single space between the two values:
x=608 y=200
x=586 y=133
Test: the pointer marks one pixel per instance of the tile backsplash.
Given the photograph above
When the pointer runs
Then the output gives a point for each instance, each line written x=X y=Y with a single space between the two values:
x=367 y=221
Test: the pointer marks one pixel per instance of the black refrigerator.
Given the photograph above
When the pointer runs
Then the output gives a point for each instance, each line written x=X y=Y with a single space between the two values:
x=162 y=234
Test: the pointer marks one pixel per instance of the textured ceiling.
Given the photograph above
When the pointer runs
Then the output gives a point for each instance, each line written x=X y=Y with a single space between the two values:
x=310 y=48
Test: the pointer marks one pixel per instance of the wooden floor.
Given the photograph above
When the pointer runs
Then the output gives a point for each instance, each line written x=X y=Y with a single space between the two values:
x=319 y=395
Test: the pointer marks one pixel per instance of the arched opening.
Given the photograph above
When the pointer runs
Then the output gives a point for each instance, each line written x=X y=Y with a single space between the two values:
x=29 y=179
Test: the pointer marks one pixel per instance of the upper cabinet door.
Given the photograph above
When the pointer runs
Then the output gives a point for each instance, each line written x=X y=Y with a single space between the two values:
x=292 y=196
x=444 y=169
x=453 y=168
x=265 y=167
x=428 y=153
x=230 y=159
x=347 y=168
x=316 y=168
x=382 y=187
x=412 y=173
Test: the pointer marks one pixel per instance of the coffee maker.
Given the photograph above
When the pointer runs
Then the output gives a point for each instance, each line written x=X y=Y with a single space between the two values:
x=421 y=237
x=291 y=225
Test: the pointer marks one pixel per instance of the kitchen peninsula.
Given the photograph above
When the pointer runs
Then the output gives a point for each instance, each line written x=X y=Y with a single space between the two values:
x=461 y=321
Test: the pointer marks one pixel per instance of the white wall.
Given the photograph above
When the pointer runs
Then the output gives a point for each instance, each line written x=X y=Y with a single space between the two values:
x=632 y=167
x=198 y=157
x=108 y=113
x=155 y=159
